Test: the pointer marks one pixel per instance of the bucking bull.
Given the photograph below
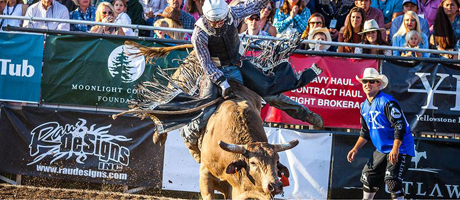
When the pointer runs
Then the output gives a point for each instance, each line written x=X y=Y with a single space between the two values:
x=236 y=158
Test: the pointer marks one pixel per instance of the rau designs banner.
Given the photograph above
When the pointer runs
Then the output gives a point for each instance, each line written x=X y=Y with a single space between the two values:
x=335 y=94
x=79 y=146
x=97 y=72
x=21 y=58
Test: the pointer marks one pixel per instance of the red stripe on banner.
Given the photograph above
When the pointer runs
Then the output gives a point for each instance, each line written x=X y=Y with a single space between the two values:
x=335 y=94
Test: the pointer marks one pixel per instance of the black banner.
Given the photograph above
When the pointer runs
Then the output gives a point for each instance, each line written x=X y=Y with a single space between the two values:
x=79 y=146
x=429 y=94
x=433 y=173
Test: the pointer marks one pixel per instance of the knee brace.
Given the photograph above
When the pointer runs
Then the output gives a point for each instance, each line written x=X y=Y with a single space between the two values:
x=368 y=189
x=395 y=188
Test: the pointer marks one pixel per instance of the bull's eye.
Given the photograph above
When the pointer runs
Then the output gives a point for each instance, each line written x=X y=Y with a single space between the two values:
x=252 y=163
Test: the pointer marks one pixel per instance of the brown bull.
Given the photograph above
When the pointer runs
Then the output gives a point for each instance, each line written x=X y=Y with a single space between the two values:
x=236 y=157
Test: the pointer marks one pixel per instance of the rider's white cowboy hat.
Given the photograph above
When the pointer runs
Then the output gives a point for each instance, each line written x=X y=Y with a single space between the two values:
x=370 y=25
x=215 y=10
x=373 y=74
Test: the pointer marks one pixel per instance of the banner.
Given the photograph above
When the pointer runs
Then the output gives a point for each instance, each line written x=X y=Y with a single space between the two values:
x=20 y=66
x=79 y=146
x=308 y=164
x=97 y=72
x=429 y=94
x=433 y=172
x=335 y=94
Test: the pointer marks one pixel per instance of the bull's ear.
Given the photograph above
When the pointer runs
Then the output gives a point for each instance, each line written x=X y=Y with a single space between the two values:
x=282 y=169
x=235 y=166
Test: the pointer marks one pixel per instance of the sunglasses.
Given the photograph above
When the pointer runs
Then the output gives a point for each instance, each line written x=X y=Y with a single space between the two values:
x=254 y=18
x=369 y=81
x=105 y=13
x=269 y=8
x=313 y=23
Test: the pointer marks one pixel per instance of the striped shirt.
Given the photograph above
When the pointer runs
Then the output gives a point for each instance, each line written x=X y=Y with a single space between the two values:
x=200 y=37
x=77 y=14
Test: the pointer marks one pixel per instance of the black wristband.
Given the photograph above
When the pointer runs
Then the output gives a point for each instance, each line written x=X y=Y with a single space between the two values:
x=220 y=80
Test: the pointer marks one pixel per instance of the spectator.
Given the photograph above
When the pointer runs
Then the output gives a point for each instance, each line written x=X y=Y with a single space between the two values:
x=105 y=13
x=291 y=17
x=83 y=12
x=320 y=34
x=411 y=22
x=349 y=32
x=160 y=34
x=14 y=8
x=450 y=8
x=389 y=8
x=334 y=12
x=135 y=11
x=47 y=9
x=413 y=40
x=154 y=7
x=119 y=7
x=409 y=5
x=372 y=13
x=266 y=20
x=316 y=20
x=427 y=10
x=187 y=20
x=253 y=23
x=267 y=16
x=194 y=7
x=171 y=16
x=443 y=37
x=2 y=7
x=372 y=34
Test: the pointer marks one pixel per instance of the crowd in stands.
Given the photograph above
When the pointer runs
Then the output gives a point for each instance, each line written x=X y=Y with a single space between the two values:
x=423 y=24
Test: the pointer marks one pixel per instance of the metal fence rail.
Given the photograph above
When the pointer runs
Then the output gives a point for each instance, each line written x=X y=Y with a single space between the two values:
x=143 y=27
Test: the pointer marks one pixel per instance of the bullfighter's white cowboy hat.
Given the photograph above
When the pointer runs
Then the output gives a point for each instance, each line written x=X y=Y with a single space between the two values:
x=373 y=74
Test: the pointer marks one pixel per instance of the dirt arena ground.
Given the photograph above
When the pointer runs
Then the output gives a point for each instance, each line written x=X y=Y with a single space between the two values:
x=42 y=188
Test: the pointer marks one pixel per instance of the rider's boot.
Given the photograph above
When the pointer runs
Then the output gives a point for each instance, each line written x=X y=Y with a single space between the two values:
x=314 y=119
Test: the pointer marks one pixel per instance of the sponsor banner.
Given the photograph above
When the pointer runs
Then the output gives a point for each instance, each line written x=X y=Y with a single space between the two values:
x=308 y=164
x=433 y=172
x=429 y=94
x=335 y=94
x=20 y=66
x=79 y=146
x=97 y=72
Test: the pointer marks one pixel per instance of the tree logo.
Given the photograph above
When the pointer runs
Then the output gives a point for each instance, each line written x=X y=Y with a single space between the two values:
x=123 y=64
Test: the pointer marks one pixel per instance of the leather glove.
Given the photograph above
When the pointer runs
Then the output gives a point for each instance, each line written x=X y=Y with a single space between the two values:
x=227 y=91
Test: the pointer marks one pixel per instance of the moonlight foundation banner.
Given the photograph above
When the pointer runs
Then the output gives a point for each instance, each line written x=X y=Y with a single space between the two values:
x=91 y=71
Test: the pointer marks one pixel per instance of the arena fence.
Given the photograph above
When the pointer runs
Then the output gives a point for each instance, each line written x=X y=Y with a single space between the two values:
x=151 y=28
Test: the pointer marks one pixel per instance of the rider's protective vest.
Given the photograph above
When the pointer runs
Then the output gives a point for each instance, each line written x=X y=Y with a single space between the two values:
x=224 y=47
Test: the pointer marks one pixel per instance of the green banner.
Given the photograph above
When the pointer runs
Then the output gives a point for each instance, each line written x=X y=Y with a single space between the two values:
x=92 y=71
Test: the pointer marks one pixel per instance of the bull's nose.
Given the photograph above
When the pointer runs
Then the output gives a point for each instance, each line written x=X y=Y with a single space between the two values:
x=275 y=188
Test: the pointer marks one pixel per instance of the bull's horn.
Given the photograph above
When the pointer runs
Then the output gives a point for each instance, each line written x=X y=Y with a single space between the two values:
x=234 y=148
x=285 y=146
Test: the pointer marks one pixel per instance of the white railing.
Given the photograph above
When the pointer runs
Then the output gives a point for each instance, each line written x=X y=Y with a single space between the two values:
x=143 y=27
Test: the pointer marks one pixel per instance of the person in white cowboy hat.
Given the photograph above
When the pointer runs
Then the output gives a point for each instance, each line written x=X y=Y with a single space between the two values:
x=384 y=123
x=372 y=34
x=320 y=34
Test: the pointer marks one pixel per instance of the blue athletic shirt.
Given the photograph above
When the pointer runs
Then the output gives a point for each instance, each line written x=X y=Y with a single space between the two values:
x=383 y=121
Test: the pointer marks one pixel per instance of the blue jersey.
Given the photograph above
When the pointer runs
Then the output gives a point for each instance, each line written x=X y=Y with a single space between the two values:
x=383 y=121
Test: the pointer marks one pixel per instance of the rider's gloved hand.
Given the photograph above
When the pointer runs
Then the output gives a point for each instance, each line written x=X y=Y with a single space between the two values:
x=227 y=91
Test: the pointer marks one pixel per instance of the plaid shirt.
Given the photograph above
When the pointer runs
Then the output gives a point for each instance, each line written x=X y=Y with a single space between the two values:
x=200 y=37
x=300 y=21
x=77 y=14
x=188 y=21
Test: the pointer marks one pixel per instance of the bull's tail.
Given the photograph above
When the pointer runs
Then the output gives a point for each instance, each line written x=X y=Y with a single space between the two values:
x=155 y=52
